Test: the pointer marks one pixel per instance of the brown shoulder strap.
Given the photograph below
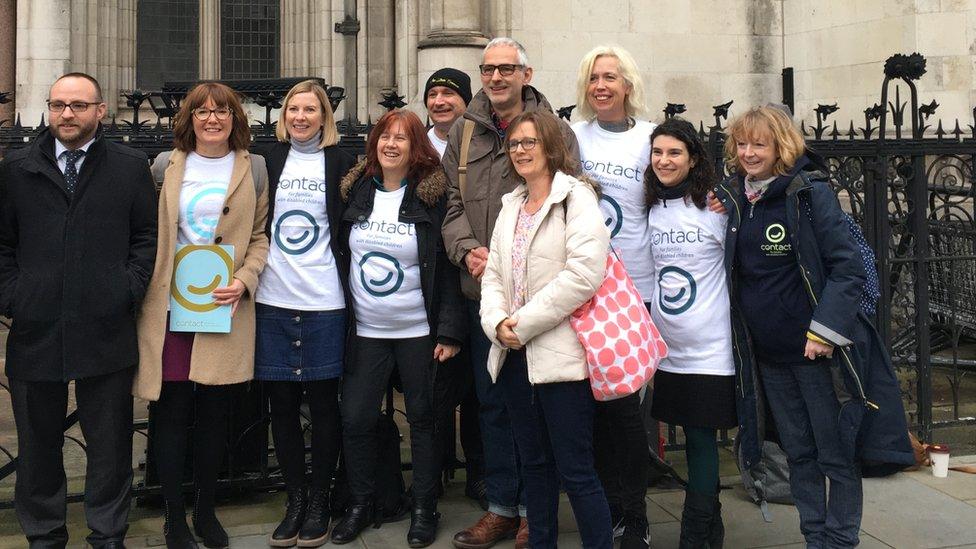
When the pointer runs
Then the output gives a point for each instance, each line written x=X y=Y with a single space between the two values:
x=463 y=161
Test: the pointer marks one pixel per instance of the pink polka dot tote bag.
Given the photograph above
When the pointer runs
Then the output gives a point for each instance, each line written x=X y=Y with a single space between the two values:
x=623 y=346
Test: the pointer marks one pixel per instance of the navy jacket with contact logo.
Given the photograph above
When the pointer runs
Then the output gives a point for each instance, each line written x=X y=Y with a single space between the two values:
x=74 y=268
x=872 y=416
x=770 y=290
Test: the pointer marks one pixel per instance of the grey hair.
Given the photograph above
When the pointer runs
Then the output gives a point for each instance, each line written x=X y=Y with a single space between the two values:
x=506 y=41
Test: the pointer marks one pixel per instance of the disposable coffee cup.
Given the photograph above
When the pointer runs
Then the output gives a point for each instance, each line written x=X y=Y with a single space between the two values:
x=939 y=454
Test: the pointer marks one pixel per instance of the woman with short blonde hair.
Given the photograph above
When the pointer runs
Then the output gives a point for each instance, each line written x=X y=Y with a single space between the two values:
x=614 y=150
x=801 y=344
x=330 y=134
x=301 y=307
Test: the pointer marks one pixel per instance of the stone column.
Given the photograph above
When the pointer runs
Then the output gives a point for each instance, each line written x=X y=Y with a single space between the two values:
x=306 y=39
x=8 y=57
x=455 y=38
x=44 y=57
x=209 y=39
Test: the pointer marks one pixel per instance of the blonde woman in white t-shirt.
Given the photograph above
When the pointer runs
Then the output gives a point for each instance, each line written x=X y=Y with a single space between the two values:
x=614 y=150
x=301 y=309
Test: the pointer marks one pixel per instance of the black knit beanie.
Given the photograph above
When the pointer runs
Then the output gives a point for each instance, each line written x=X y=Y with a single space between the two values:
x=450 y=78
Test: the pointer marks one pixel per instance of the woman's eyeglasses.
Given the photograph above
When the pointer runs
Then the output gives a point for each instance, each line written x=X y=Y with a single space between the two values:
x=203 y=113
x=528 y=143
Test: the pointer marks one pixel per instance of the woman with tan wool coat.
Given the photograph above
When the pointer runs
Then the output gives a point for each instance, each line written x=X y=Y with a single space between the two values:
x=213 y=192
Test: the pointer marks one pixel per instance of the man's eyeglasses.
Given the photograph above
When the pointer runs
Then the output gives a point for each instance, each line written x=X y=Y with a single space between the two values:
x=57 y=107
x=528 y=143
x=203 y=113
x=505 y=70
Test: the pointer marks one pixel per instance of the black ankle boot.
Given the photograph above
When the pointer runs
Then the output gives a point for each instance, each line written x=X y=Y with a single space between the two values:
x=357 y=518
x=696 y=520
x=423 y=524
x=286 y=534
x=315 y=530
x=205 y=523
x=175 y=531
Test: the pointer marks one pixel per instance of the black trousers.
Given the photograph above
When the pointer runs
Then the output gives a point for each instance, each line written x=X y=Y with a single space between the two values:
x=622 y=455
x=210 y=406
x=454 y=387
x=104 y=405
x=363 y=388
x=289 y=439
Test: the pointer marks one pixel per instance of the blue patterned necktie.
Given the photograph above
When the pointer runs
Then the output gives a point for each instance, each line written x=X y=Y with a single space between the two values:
x=70 y=170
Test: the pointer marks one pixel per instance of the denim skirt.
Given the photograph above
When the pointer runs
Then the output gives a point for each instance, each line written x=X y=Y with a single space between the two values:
x=298 y=345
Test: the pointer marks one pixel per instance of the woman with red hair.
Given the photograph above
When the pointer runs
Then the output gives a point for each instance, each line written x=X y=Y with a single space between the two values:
x=405 y=304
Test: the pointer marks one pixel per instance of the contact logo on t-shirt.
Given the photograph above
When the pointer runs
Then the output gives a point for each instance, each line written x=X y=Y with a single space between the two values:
x=301 y=272
x=613 y=217
x=618 y=161
x=690 y=295
x=380 y=274
x=678 y=290
x=202 y=195
x=201 y=208
x=385 y=272
x=305 y=233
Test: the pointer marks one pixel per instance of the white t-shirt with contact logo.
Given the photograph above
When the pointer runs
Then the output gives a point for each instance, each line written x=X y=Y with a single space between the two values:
x=617 y=161
x=205 y=182
x=301 y=273
x=385 y=273
x=690 y=304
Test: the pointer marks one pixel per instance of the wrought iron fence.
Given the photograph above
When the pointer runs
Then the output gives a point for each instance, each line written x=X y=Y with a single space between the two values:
x=910 y=185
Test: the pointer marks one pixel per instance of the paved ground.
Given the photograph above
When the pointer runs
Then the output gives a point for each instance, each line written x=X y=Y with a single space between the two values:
x=909 y=510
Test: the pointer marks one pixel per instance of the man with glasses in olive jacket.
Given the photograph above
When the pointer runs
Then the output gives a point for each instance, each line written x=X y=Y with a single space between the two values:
x=471 y=211
x=77 y=247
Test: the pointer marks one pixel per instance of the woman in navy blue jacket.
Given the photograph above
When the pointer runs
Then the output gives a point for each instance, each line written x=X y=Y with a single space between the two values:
x=796 y=276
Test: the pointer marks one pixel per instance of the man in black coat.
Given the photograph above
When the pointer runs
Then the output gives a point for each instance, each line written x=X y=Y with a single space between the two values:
x=77 y=246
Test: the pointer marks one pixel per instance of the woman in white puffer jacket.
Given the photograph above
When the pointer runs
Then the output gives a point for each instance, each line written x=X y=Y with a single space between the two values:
x=548 y=256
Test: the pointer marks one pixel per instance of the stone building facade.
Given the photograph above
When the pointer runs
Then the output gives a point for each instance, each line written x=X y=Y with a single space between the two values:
x=696 y=52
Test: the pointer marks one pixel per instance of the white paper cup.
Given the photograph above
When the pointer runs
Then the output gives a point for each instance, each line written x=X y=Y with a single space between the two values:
x=939 y=454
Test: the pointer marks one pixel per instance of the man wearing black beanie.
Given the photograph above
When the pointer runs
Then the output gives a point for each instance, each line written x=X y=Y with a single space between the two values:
x=446 y=97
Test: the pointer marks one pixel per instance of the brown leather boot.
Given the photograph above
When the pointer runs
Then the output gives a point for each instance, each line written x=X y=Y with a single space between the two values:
x=522 y=537
x=489 y=530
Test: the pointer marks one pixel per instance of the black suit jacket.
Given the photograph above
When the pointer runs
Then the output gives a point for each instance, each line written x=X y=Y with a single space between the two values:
x=73 y=269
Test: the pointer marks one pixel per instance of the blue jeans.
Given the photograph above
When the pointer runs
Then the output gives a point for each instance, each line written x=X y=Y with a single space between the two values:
x=554 y=432
x=501 y=459
x=805 y=409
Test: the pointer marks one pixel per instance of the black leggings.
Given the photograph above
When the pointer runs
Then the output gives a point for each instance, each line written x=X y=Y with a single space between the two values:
x=622 y=455
x=171 y=414
x=289 y=439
